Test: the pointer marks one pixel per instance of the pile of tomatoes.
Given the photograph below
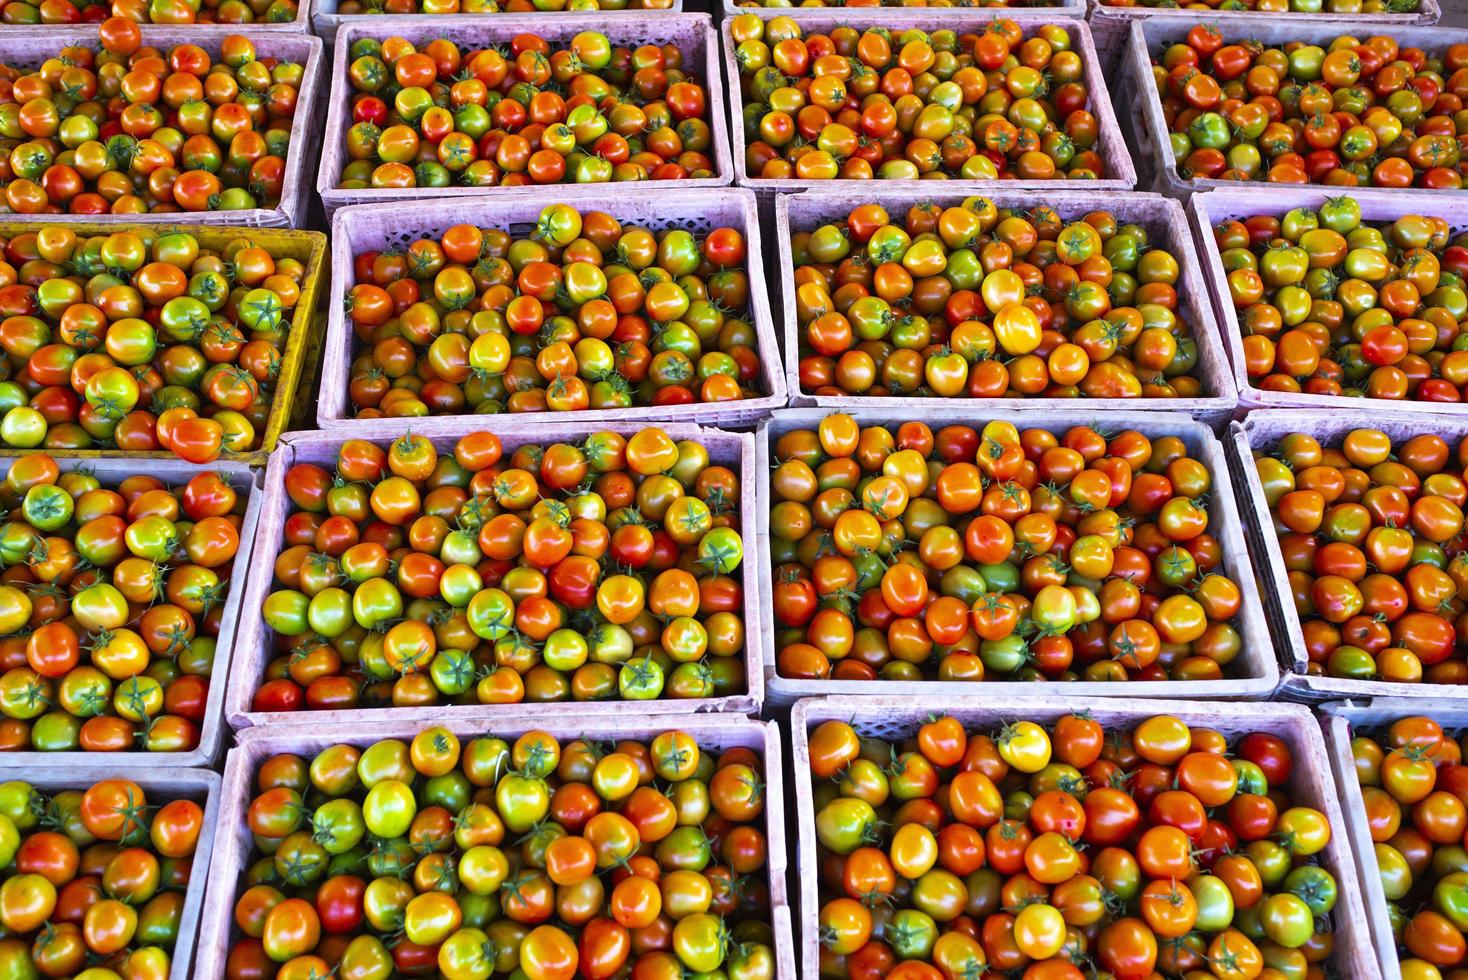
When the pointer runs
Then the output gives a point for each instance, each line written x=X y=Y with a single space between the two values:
x=1352 y=113
x=585 y=113
x=28 y=12
x=1371 y=534
x=533 y=858
x=967 y=554
x=596 y=570
x=94 y=880
x=111 y=600
x=874 y=103
x=585 y=312
x=984 y=302
x=1414 y=787
x=141 y=340
x=1155 y=851
x=1329 y=305
x=494 y=6
x=132 y=130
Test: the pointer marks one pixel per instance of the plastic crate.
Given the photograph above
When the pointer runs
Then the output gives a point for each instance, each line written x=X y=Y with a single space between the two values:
x=898 y=10
x=28 y=47
x=1311 y=784
x=692 y=33
x=1256 y=667
x=162 y=782
x=359 y=229
x=175 y=472
x=1120 y=174
x=235 y=842
x=252 y=649
x=1338 y=721
x=307 y=247
x=1263 y=430
x=1245 y=200
x=1111 y=26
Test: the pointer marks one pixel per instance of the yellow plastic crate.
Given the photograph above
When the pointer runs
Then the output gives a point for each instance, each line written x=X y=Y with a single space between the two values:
x=307 y=247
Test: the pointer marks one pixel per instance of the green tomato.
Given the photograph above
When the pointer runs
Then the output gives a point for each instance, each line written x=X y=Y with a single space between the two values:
x=1004 y=656
x=845 y=824
x=330 y=612
x=338 y=825
x=640 y=680
x=1215 y=902
x=522 y=801
x=699 y=941
x=1209 y=130
x=453 y=671
x=9 y=840
x=1396 y=875
x=388 y=759
x=911 y=934
x=564 y=650
x=56 y=731
x=366 y=958
x=18 y=803
x=389 y=808
x=1450 y=897
x=1315 y=886
x=721 y=551
x=1272 y=860
x=23 y=427
x=285 y=611
x=47 y=507
x=1287 y=920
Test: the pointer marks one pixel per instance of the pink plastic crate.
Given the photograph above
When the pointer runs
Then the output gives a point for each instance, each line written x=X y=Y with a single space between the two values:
x=1257 y=673
x=28 y=47
x=1120 y=174
x=235 y=842
x=253 y=642
x=359 y=229
x=112 y=470
x=692 y=33
x=1310 y=785
x=1245 y=200
x=1163 y=218
x=1340 y=720
x=161 y=782
x=1137 y=88
x=1263 y=430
